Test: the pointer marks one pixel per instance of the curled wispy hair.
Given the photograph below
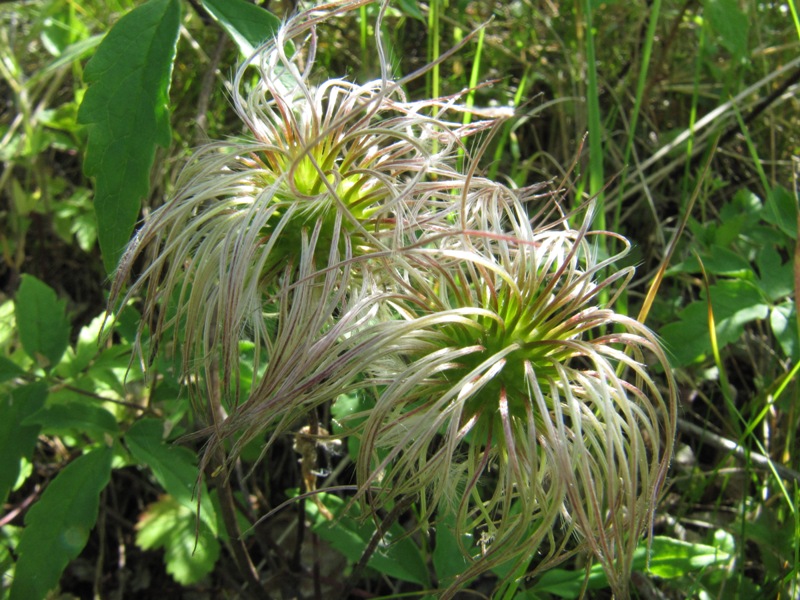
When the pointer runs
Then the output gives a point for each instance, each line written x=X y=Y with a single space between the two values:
x=360 y=159
x=527 y=409
x=340 y=239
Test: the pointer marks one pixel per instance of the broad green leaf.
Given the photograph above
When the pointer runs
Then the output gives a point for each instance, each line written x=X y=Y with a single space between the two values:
x=719 y=261
x=58 y=525
x=395 y=556
x=248 y=25
x=448 y=559
x=349 y=411
x=776 y=278
x=126 y=108
x=75 y=417
x=781 y=209
x=42 y=322
x=85 y=350
x=731 y=25
x=687 y=340
x=669 y=559
x=173 y=466
x=17 y=440
x=783 y=321
x=568 y=584
x=170 y=525
x=736 y=303
x=9 y=369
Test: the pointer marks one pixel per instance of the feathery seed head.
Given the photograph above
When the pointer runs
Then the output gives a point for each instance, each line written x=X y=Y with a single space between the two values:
x=359 y=164
x=504 y=393
x=530 y=409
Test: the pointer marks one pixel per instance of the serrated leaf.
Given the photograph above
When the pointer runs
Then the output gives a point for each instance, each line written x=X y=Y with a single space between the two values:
x=248 y=25
x=396 y=556
x=781 y=209
x=775 y=277
x=58 y=525
x=719 y=261
x=169 y=525
x=42 y=322
x=173 y=466
x=17 y=440
x=736 y=303
x=75 y=417
x=126 y=108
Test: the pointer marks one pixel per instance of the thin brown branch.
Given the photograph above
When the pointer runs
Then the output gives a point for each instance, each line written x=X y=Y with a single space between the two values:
x=722 y=443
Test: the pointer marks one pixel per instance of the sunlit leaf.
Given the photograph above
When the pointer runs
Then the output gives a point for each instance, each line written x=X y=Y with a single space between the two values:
x=781 y=209
x=169 y=525
x=736 y=303
x=248 y=25
x=42 y=321
x=669 y=559
x=126 y=108
x=75 y=417
x=783 y=321
x=173 y=466
x=58 y=525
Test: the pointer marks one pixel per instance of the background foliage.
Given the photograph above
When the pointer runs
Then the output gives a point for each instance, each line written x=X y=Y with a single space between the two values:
x=692 y=117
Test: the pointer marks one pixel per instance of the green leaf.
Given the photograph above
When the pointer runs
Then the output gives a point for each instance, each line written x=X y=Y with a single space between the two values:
x=395 y=556
x=42 y=322
x=9 y=369
x=75 y=417
x=719 y=261
x=781 y=209
x=448 y=560
x=86 y=348
x=349 y=411
x=568 y=584
x=168 y=524
x=669 y=559
x=126 y=107
x=783 y=321
x=731 y=25
x=173 y=466
x=17 y=441
x=58 y=525
x=776 y=278
x=248 y=25
x=736 y=303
